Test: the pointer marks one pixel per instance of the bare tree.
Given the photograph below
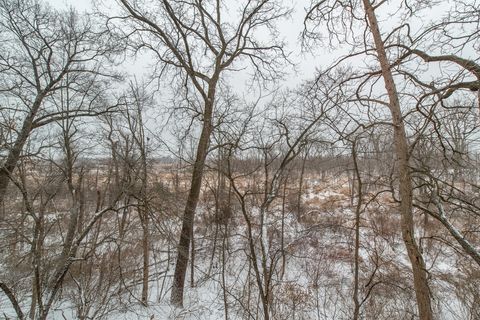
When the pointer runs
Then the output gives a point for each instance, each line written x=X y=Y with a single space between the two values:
x=405 y=187
x=291 y=130
x=199 y=41
x=365 y=13
x=448 y=41
x=40 y=49
x=136 y=125
x=50 y=261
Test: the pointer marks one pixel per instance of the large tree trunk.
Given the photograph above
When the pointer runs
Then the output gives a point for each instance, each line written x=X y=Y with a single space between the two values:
x=401 y=148
x=192 y=200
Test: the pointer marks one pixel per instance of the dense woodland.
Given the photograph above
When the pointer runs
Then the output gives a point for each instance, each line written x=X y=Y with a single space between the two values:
x=220 y=183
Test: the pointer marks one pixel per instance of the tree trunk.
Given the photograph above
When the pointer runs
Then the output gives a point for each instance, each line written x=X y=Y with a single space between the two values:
x=144 y=209
x=282 y=231
x=192 y=260
x=224 y=260
x=146 y=256
x=356 y=300
x=406 y=193
x=300 y=182
x=192 y=200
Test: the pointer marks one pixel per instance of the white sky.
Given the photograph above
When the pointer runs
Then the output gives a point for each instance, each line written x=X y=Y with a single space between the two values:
x=291 y=29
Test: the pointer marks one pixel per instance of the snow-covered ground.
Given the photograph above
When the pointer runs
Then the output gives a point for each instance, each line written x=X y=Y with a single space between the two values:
x=309 y=268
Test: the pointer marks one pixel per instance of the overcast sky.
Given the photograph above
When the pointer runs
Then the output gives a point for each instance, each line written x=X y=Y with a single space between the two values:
x=290 y=30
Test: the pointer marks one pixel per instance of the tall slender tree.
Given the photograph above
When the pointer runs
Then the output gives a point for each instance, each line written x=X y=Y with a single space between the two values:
x=198 y=41
x=364 y=13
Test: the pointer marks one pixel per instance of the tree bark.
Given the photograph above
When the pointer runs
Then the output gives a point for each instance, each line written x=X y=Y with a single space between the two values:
x=356 y=300
x=192 y=200
x=11 y=296
x=405 y=181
